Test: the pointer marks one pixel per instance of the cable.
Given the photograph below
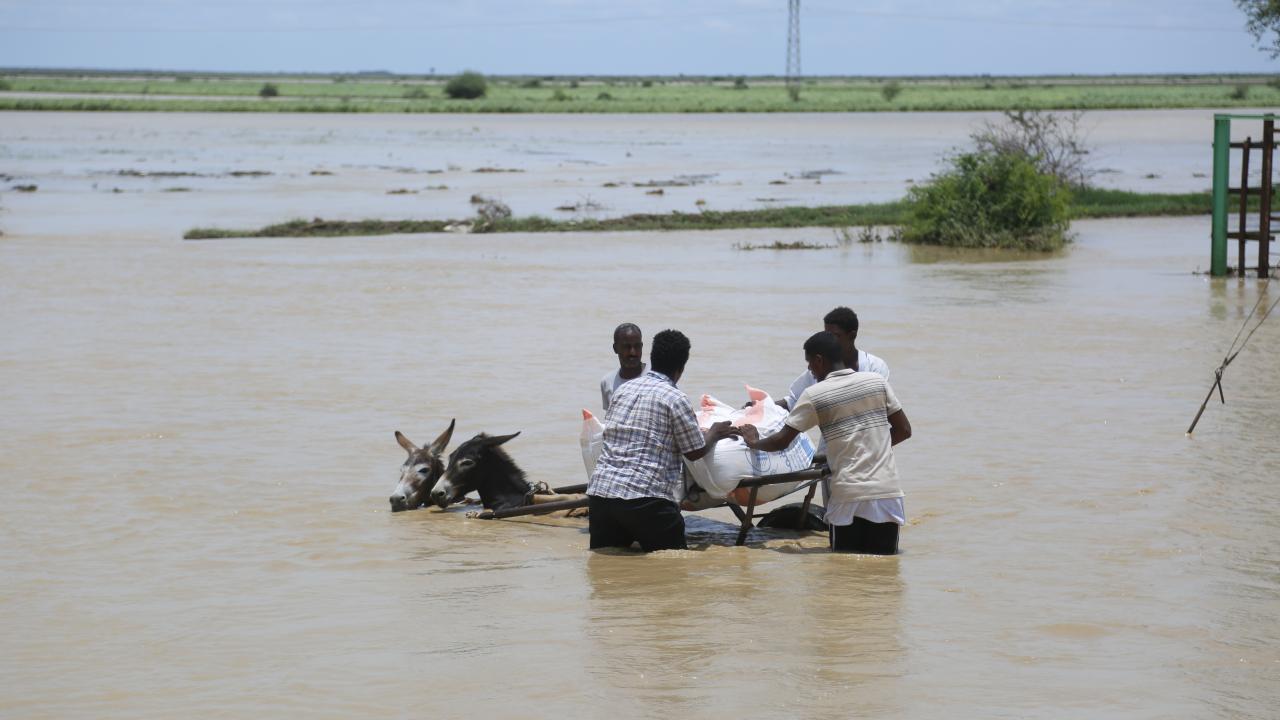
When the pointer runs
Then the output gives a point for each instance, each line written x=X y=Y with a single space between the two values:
x=1230 y=355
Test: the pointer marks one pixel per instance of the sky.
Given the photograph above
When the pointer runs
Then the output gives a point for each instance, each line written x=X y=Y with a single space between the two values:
x=631 y=37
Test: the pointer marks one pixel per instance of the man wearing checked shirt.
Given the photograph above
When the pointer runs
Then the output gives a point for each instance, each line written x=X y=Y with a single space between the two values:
x=633 y=491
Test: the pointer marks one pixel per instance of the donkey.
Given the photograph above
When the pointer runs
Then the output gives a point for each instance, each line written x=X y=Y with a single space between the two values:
x=420 y=472
x=480 y=465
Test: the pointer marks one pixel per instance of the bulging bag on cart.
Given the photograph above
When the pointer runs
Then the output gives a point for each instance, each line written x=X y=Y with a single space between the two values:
x=714 y=478
x=718 y=473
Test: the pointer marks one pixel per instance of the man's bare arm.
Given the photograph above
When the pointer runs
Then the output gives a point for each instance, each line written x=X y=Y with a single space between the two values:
x=780 y=440
x=712 y=435
x=899 y=427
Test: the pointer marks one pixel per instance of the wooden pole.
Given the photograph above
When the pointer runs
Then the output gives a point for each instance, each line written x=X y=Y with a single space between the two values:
x=1243 y=223
x=1264 y=203
x=532 y=509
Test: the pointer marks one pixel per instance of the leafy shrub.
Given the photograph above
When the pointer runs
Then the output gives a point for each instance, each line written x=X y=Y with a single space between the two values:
x=740 y=83
x=891 y=90
x=467 y=86
x=989 y=199
x=604 y=96
x=560 y=95
x=268 y=90
x=573 y=84
x=647 y=83
x=1240 y=92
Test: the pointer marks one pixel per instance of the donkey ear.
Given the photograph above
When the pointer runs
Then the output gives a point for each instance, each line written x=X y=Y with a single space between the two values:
x=405 y=443
x=442 y=442
x=499 y=439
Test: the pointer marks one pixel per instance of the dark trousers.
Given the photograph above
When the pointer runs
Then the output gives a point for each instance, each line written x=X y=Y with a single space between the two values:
x=865 y=537
x=654 y=523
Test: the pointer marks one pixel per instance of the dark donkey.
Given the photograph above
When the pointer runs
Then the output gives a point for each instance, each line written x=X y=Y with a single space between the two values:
x=420 y=471
x=480 y=465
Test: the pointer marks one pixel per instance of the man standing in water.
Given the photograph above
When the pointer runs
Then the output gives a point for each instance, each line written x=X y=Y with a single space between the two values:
x=635 y=487
x=860 y=419
x=843 y=323
x=628 y=343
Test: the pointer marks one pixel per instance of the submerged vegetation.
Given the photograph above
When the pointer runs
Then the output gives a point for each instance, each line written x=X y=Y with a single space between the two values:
x=1085 y=204
x=990 y=199
x=472 y=92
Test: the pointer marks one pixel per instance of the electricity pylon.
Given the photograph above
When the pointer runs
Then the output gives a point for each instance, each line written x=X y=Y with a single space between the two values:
x=793 y=47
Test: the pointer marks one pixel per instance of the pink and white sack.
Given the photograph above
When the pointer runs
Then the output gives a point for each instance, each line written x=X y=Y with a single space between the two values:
x=718 y=472
x=714 y=478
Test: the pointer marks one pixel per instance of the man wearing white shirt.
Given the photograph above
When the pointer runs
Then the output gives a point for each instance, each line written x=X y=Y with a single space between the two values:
x=843 y=323
x=628 y=344
x=861 y=420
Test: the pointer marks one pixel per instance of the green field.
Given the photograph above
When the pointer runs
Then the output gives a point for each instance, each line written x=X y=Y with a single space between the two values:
x=1088 y=203
x=424 y=94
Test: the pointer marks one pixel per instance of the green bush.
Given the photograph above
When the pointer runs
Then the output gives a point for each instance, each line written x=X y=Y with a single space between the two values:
x=268 y=90
x=1240 y=92
x=740 y=83
x=561 y=96
x=5 y=85
x=604 y=96
x=990 y=200
x=891 y=90
x=467 y=86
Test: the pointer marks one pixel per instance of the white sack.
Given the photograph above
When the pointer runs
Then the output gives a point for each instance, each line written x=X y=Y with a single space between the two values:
x=718 y=472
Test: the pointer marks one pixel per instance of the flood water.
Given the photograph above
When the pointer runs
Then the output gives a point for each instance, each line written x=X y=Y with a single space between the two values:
x=196 y=440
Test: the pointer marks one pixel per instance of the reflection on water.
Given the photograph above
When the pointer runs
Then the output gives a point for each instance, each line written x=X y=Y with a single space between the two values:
x=197 y=449
x=745 y=631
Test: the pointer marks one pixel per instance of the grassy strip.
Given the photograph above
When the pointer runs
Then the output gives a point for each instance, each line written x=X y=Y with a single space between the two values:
x=1089 y=203
x=1097 y=203
x=622 y=95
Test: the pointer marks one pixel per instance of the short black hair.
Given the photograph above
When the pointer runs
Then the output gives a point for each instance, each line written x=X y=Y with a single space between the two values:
x=669 y=352
x=626 y=328
x=826 y=345
x=843 y=318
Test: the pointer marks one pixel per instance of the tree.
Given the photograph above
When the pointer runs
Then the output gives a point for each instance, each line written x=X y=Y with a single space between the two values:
x=467 y=86
x=1053 y=141
x=1264 y=23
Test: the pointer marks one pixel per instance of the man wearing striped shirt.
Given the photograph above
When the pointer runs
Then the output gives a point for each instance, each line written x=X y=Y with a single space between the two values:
x=860 y=419
x=843 y=323
x=634 y=490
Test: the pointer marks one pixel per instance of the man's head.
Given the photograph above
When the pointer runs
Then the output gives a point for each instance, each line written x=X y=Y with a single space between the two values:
x=843 y=323
x=628 y=343
x=823 y=353
x=669 y=354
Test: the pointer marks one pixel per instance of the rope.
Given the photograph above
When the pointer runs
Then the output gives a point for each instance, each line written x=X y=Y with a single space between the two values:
x=1232 y=351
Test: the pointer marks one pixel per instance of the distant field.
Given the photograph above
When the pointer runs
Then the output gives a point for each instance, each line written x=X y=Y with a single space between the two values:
x=414 y=94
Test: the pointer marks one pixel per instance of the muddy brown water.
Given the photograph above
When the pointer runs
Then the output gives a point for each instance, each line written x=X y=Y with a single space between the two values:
x=196 y=452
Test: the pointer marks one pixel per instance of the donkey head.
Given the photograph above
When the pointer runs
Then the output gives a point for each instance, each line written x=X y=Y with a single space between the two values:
x=481 y=466
x=420 y=471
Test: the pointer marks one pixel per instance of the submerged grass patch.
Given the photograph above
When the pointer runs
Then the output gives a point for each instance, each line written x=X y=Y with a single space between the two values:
x=1086 y=204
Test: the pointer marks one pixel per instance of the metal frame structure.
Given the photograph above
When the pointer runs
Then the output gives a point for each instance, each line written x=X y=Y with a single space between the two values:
x=746 y=515
x=793 y=42
x=1222 y=190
